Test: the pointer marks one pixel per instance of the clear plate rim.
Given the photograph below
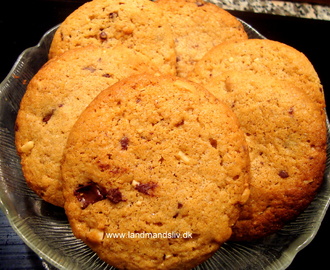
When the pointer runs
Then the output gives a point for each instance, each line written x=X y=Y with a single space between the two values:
x=296 y=246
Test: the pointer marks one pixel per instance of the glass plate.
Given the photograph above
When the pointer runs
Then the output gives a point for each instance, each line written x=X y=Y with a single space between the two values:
x=45 y=228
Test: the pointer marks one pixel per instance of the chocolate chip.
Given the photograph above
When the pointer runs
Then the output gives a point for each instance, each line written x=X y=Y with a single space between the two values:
x=180 y=205
x=110 y=169
x=118 y=170
x=114 y=195
x=103 y=35
x=89 y=68
x=213 y=143
x=113 y=15
x=291 y=111
x=103 y=167
x=92 y=193
x=47 y=117
x=180 y=123
x=321 y=89
x=106 y=75
x=195 y=235
x=89 y=194
x=124 y=141
x=145 y=188
x=283 y=174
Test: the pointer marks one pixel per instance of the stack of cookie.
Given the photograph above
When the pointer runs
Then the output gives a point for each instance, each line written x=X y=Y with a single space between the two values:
x=164 y=134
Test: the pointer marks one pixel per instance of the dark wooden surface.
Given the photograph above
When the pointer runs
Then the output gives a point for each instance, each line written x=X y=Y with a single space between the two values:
x=22 y=23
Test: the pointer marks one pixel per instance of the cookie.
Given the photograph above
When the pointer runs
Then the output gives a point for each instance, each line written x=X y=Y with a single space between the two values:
x=197 y=27
x=136 y=24
x=53 y=101
x=157 y=179
x=286 y=134
x=262 y=56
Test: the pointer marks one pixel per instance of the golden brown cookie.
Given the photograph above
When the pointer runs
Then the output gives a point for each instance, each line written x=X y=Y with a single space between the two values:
x=197 y=27
x=155 y=171
x=262 y=56
x=286 y=134
x=53 y=101
x=136 y=24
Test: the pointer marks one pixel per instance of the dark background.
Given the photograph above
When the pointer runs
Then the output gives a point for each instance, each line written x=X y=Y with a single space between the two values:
x=22 y=24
